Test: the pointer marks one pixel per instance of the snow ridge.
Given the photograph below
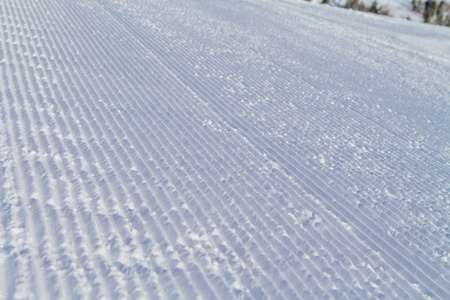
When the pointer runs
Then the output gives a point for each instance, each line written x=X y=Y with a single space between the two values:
x=192 y=149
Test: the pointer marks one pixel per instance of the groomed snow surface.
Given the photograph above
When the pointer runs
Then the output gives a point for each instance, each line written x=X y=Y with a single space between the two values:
x=221 y=149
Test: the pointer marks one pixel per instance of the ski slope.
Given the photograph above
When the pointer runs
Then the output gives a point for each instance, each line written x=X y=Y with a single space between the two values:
x=221 y=149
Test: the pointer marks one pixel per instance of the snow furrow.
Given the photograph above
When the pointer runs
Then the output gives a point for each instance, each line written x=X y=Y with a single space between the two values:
x=218 y=150
x=184 y=71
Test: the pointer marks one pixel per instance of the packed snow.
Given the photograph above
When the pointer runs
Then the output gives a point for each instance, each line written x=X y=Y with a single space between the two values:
x=221 y=149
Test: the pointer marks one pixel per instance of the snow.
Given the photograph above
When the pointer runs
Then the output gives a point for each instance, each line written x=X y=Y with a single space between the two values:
x=401 y=9
x=221 y=149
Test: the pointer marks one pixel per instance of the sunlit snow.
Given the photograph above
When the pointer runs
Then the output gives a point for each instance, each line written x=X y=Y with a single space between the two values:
x=221 y=149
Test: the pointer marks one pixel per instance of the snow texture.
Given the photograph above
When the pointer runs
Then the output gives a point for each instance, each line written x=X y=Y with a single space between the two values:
x=221 y=149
